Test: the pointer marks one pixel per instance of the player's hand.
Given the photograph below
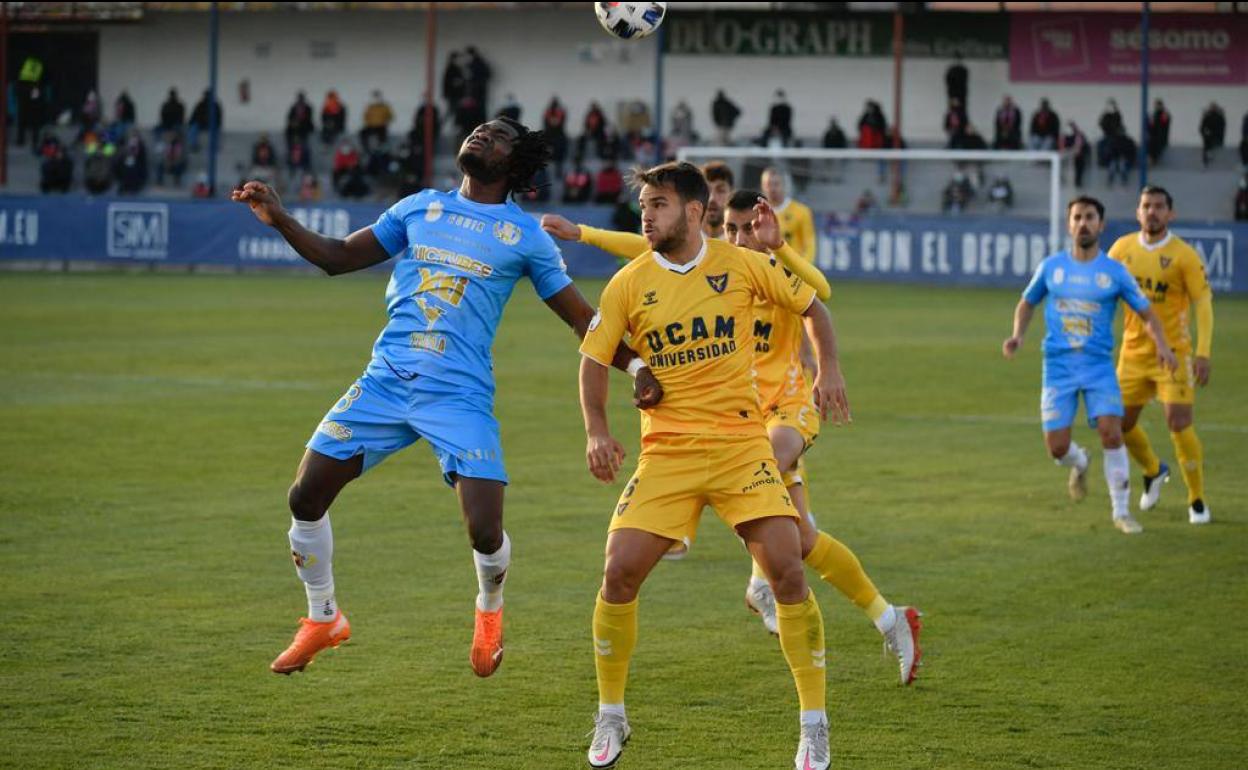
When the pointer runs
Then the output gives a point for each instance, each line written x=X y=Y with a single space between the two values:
x=561 y=227
x=604 y=455
x=647 y=391
x=766 y=226
x=830 y=396
x=1011 y=346
x=1165 y=357
x=1201 y=369
x=261 y=198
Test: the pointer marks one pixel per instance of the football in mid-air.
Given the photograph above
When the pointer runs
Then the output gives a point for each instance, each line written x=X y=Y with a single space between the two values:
x=630 y=21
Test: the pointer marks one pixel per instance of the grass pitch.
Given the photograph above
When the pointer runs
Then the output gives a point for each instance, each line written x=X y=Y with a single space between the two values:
x=151 y=425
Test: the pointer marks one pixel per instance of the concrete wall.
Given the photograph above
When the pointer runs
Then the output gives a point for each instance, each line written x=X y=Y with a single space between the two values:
x=542 y=52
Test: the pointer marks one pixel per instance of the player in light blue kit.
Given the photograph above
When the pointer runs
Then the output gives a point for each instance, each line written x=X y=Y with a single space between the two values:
x=458 y=256
x=1083 y=286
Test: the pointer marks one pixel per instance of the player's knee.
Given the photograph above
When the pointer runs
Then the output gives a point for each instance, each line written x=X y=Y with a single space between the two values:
x=789 y=583
x=305 y=504
x=1111 y=435
x=486 y=538
x=1178 y=422
x=620 y=582
x=1058 y=448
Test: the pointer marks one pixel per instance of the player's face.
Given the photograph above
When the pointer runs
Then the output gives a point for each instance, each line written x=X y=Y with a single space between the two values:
x=720 y=193
x=1153 y=214
x=739 y=226
x=1085 y=225
x=484 y=154
x=773 y=187
x=664 y=219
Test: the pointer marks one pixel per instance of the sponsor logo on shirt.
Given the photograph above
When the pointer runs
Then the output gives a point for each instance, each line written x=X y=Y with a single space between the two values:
x=1103 y=281
x=434 y=212
x=1059 y=277
x=507 y=232
x=335 y=430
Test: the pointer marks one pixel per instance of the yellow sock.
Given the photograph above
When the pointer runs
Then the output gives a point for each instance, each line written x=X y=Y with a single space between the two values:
x=1141 y=451
x=801 y=639
x=1191 y=462
x=838 y=565
x=615 y=635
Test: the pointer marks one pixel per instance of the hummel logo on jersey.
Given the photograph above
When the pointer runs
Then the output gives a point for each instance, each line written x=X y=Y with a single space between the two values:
x=650 y=298
x=718 y=282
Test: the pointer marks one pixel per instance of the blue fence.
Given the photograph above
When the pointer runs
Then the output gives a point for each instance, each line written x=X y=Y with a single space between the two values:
x=973 y=251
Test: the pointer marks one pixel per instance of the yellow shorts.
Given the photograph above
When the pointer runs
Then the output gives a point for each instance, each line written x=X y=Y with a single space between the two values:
x=1143 y=379
x=678 y=475
x=797 y=412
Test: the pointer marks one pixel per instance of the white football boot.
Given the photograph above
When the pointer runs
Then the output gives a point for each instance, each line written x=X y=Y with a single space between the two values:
x=902 y=640
x=1152 y=488
x=1128 y=525
x=611 y=732
x=1198 y=513
x=762 y=602
x=1077 y=482
x=813 y=752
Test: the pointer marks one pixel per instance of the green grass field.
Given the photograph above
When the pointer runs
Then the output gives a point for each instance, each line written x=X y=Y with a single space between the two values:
x=151 y=426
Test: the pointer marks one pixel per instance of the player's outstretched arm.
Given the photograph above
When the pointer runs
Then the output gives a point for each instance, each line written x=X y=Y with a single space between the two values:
x=622 y=245
x=767 y=229
x=1165 y=356
x=357 y=251
x=570 y=305
x=830 y=394
x=1022 y=319
x=603 y=453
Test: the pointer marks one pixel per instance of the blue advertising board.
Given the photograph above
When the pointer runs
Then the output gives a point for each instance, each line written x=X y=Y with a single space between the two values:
x=965 y=250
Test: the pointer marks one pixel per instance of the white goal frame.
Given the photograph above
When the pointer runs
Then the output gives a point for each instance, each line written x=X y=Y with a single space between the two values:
x=1053 y=158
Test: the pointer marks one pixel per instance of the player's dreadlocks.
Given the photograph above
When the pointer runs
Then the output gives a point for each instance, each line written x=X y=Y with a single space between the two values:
x=530 y=152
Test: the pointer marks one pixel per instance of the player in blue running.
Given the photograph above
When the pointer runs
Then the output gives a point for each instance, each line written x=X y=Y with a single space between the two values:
x=458 y=256
x=1083 y=286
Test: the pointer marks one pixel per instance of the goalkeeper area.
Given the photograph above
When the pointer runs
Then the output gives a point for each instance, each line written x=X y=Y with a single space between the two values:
x=153 y=423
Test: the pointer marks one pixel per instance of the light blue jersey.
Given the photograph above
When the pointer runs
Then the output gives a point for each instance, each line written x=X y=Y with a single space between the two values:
x=1079 y=336
x=432 y=375
x=458 y=262
x=1083 y=297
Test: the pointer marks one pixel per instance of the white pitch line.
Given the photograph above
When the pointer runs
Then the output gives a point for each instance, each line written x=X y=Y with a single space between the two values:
x=1009 y=419
x=193 y=382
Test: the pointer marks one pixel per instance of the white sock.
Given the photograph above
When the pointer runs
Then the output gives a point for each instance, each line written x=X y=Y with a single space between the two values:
x=1118 y=479
x=612 y=708
x=491 y=572
x=885 y=622
x=1075 y=457
x=814 y=717
x=312 y=548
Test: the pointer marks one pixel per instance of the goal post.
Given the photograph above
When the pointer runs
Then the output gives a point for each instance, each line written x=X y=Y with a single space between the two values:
x=822 y=164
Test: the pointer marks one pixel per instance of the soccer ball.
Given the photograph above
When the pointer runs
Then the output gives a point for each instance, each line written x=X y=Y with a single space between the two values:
x=630 y=21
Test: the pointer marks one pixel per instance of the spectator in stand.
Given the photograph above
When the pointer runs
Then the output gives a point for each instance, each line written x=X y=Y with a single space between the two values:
x=1241 y=200
x=1007 y=126
x=123 y=114
x=871 y=126
x=576 y=183
x=724 y=114
x=30 y=100
x=956 y=78
x=333 y=117
x=608 y=184
x=131 y=166
x=511 y=108
x=554 y=121
x=779 y=121
x=416 y=137
x=1158 y=132
x=298 y=158
x=1001 y=194
x=200 y=119
x=454 y=81
x=299 y=121
x=1243 y=142
x=682 y=124
x=834 y=138
x=89 y=118
x=172 y=114
x=354 y=183
x=1122 y=153
x=595 y=126
x=346 y=158
x=377 y=119
x=200 y=189
x=1076 y=145
x=98 y=166
x=56 y=172
x=1046 y=127
x=957 y=195
x=973 y=139
x=479 y=76
x=1212 y=132
x=612 y=147
x=262 y=153
x=955 y=124
x=170 y=157
x=309 y=188
x=1111 y=126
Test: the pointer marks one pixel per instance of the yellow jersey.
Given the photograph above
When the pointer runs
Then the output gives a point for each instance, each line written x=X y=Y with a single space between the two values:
x=693 y=324
x=798 y=226
x=1172 y=276
x=778 y=370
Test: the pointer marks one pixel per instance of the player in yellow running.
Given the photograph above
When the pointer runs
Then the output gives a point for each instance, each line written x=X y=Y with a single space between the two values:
x=787 y=407
x=689 y=305
x=797 y=224
x=1172 y=276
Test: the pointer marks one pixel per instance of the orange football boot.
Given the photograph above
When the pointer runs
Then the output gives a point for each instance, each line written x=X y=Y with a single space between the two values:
x=487 y=642
x=311 y=638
